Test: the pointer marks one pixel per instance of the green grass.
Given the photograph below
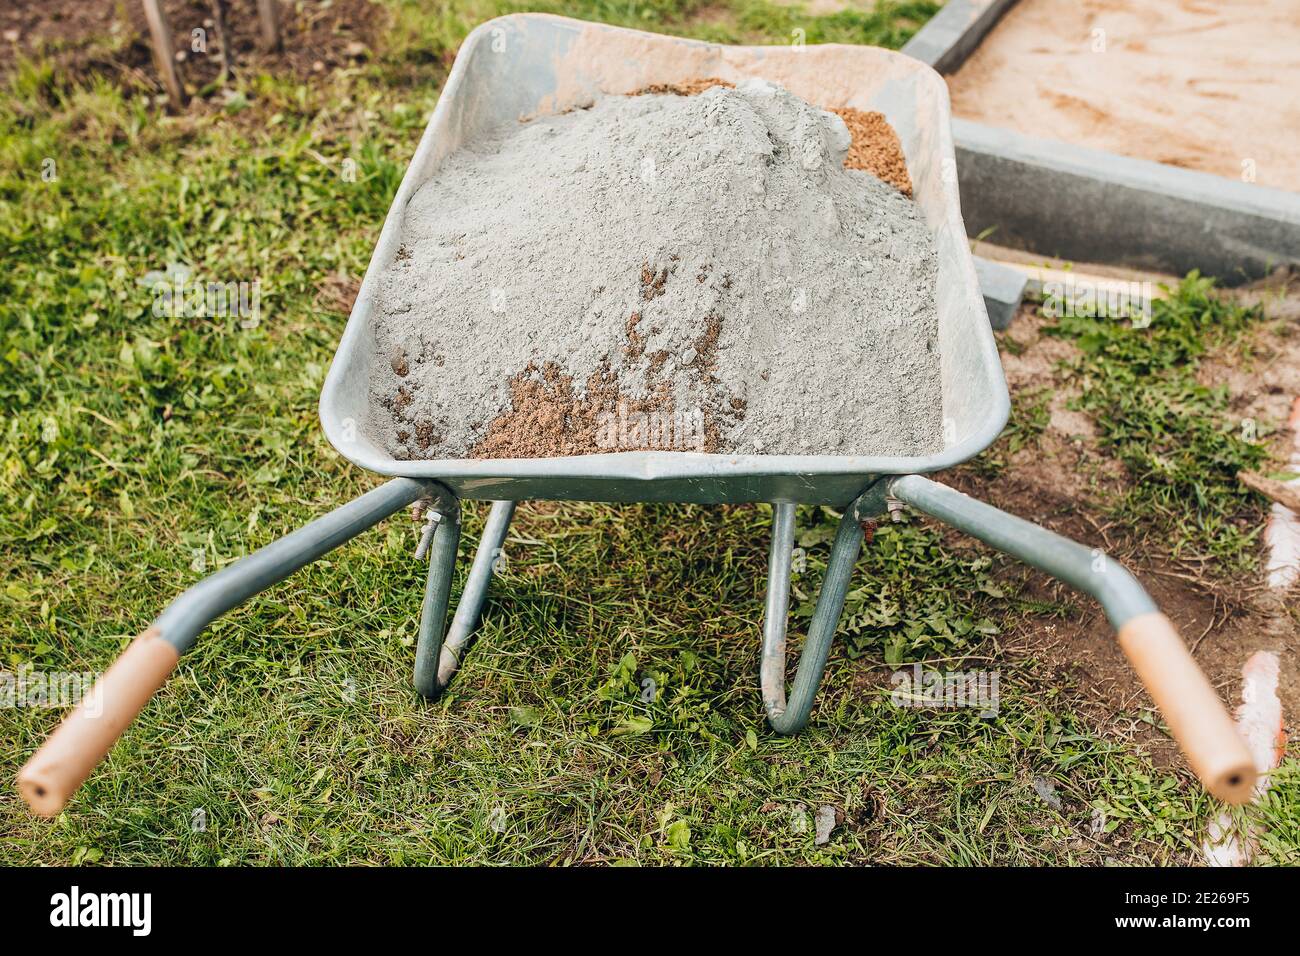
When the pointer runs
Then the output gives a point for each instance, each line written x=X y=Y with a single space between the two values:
x=426 y=34
x=885 y=24
x=1173 y=434
x=918 y=599
x=138 y=452
x=1277 y=817
x=1030 y=415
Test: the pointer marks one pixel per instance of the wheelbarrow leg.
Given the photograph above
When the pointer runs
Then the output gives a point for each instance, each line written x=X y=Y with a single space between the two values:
x=437 y=656
x=790 y=716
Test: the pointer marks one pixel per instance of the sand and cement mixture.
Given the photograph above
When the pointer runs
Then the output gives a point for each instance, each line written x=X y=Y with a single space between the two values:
x=692 y=273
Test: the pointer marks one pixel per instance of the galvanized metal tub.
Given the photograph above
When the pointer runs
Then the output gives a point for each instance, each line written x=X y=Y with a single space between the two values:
x=521 y=66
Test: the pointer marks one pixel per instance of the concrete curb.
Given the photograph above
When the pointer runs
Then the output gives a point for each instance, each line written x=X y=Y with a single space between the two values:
x=952 y=34
x=1003 y=288
x=1084 y=204
x=1072 y=202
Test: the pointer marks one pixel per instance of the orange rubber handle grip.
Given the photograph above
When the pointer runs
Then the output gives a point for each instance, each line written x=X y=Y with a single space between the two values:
x=1196 y=717
x=53 y=774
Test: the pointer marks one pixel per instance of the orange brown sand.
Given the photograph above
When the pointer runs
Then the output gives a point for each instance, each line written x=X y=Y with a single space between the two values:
x=549 y=418
x=875 y=148
x=685 y=88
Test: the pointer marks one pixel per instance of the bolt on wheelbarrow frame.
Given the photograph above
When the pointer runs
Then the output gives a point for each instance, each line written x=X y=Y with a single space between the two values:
x=517 y=66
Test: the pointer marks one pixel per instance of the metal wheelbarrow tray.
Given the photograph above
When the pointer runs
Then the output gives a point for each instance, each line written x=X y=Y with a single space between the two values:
x=523 y=65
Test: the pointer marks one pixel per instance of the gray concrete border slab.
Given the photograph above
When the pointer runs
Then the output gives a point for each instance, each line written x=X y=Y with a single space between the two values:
x=1069 y=201
x=952 y=34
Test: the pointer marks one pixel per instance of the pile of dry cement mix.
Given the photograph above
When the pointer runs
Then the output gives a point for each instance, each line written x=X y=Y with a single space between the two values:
x=691 y=273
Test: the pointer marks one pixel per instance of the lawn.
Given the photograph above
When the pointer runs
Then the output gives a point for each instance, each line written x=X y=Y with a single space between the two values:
x=140 y=451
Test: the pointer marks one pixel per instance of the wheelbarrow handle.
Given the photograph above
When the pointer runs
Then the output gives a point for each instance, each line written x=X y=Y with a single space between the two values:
x=66 y=759
x=76 y=747
x=1196 y=716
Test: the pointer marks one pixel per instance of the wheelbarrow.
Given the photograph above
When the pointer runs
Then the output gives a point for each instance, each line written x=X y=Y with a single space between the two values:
x=519 y=66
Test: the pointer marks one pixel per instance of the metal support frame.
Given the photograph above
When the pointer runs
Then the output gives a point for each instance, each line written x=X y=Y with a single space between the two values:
x=1118 y=592
x=1089 y=570
x=1196 y=716
x=439 y=648
x=789 y=716
x=183 y=619
x=437 y=656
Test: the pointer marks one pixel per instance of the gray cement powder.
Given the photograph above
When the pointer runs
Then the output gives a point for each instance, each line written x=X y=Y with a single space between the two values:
x=706 y=256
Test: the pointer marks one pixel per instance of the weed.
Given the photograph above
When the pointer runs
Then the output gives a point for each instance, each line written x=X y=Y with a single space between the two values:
x=1181 y=448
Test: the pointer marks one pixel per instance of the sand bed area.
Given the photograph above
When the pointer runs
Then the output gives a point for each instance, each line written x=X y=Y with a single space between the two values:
x=1208 y=86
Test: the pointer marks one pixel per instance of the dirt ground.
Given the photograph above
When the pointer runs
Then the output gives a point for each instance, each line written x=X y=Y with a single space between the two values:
x=85 y=38
x=1217 y=81
x=1063 y=482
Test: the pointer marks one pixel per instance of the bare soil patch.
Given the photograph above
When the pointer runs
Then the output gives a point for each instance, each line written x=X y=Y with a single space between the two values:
x=85 y=39
x=1263 y=381
x=1223 y=621
x=1064 y=482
